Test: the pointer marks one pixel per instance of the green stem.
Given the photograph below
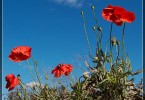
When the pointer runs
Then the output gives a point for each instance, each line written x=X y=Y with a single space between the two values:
x=107 y=46
x=24 y=91
x=48 y=93
x=36 y=71
x=19 y=95
x=97 y=39
x=118 y=50
x=34 y=91
x=123 y=47
x=123 y=51
x=101 y=39
x=87 y=35
x=99 y=32
x=111 y=45
x=95 y=17
x=30 y=70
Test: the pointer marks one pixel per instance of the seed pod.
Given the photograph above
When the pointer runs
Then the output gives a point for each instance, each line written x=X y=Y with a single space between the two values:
x=99 y=29
x=96 y=58
x=46 y=86
x=94 y=70
x=46 y=76
x=92 y=7
x=19 y=94
x=101 y=63
x=18 y=76
x=86 y=75
x=82 y=12
x=94 y=28
x=117 y=42
x=113 y=41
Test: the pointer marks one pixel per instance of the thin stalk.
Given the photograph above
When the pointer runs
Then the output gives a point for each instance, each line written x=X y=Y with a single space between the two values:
x=118 y=50
x=30 y=70
x=71 y=79
x=100 y=38
x=24 y=91
x=20 y=97
x=95 y=17
x=106 y=52
x=123 y=51
x=79 y=88
x=111 y=45
x=87 y=35
x=47 y=92
x=31 y=89
x=36 y=71
x=123 y=47
x=107 y=47
x=97 y=38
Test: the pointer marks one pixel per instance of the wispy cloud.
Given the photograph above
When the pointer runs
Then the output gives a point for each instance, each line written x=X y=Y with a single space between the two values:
x=72 y=3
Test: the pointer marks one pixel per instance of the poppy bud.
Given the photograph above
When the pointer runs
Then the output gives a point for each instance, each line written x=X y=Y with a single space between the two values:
x=117 y=42
x=100 y=63
x=113 y=41
x=18 y=76
x=94 y=28
x=120 y=70
x=99 y=28
x=59 y=65
x=96 y=58
x=92 y=7
x=86 y=75
x=94 y=70
x=97 y=52
x=106 y=58
x=82 y=13
x=19 y=94
x=46 y=87
x=46 y=77
x=128 y=65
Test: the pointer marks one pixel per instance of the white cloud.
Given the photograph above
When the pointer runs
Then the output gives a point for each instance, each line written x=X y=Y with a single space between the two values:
x=74 y=3
x=33 y=84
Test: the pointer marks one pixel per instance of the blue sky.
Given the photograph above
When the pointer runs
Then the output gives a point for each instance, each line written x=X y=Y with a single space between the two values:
x=54 y=30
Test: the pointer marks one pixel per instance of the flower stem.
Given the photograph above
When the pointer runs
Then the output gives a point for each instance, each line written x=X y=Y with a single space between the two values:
x=30 y=70
x=24 y=91
x=123 y=46
x=123 y=51
x=95 y=17
x=36 y=71
x=118 y=50
x=87 y=35
x=111 y=45
x=99 y=32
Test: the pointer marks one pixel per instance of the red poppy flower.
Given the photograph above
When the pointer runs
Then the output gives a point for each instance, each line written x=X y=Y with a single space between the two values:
x=128 y=17
x=62 y=69
x=12 y=82
x=20 y=53
x=67 y=68
x=117 y=14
